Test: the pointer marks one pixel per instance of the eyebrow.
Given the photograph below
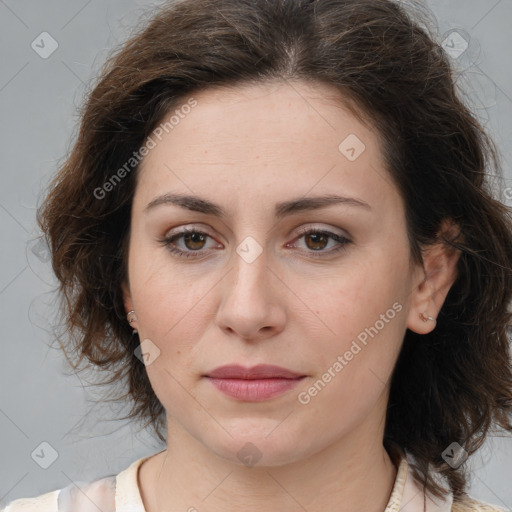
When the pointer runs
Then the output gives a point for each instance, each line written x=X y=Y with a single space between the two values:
x=286 y=208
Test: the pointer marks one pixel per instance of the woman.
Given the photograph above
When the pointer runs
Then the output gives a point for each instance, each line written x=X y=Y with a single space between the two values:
x=276 y=226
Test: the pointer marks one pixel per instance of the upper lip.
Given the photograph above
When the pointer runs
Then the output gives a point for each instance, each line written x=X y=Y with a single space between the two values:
x=261 y=371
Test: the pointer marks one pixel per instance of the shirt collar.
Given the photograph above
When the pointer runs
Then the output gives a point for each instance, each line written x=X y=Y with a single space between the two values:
x=406 y=496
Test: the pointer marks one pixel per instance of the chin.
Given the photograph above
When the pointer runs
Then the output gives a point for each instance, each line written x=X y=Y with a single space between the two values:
x=260 y=446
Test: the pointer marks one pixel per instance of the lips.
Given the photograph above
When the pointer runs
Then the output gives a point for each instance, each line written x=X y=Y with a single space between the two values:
x=256 y=384
x=261 y=371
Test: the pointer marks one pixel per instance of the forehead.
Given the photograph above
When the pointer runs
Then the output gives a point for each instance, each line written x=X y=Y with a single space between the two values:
x=291 y=112
x=266 y=138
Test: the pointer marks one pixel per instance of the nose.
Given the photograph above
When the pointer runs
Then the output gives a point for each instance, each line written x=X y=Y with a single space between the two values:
x=252 y=305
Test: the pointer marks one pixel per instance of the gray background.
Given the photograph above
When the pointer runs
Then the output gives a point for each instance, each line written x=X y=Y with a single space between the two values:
x=41 y=401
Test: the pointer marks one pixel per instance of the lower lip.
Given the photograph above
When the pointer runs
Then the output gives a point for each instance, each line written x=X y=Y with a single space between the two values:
x=255 y=390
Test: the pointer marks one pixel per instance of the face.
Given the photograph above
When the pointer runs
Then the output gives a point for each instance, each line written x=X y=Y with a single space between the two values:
x=266 y=273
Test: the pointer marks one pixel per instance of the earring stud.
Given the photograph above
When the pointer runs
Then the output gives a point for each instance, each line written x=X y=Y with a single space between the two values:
x=426 y=317
x=131 y=317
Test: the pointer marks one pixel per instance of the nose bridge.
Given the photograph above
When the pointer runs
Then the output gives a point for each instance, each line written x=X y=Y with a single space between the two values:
x=250 y=265
x=248 y=306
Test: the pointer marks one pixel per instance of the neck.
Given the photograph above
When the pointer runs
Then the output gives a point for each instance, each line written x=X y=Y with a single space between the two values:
x=351 y=474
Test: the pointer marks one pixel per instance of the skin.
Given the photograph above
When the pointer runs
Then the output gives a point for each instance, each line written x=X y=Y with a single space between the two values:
x=246 y=149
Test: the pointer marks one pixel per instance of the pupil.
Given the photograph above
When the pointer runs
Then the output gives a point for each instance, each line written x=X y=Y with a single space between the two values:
x=196 y=238
x=316 y=237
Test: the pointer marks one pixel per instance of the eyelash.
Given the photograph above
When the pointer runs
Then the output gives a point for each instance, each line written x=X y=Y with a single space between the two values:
x=343 y=242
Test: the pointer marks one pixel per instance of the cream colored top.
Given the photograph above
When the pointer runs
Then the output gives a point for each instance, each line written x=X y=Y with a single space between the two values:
x=121 y=494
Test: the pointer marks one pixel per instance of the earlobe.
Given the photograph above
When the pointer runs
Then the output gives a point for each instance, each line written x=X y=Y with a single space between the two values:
x=436 y=277
x=131 y=317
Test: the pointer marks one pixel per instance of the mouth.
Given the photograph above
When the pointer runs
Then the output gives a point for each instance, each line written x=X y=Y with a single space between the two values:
x=254 y=384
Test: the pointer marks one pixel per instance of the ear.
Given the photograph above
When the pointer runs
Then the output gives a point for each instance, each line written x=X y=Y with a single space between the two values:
x=128 y=303
x=434 y=280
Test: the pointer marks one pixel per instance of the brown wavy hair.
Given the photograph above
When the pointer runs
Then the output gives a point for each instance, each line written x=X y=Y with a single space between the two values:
x=451 y=385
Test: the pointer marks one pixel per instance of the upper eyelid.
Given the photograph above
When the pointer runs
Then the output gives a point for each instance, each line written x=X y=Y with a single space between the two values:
x=301 y=232
x=321 y=229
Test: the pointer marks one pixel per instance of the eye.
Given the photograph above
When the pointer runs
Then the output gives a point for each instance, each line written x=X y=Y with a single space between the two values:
x=193 y=239
x=318 y=239
x=194 y=242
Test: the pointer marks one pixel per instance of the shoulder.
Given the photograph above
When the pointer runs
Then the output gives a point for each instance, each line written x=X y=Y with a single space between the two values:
x=73 y=498
x=470 y=504
x=44 y=503
x=104 y=494
x=410 y=493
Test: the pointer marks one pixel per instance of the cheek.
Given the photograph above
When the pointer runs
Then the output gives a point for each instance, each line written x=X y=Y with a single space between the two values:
x=164 y=294
x=361 y=314
x=172 y=314
x=354 y=366
x=171 y=308
x=356 y=295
